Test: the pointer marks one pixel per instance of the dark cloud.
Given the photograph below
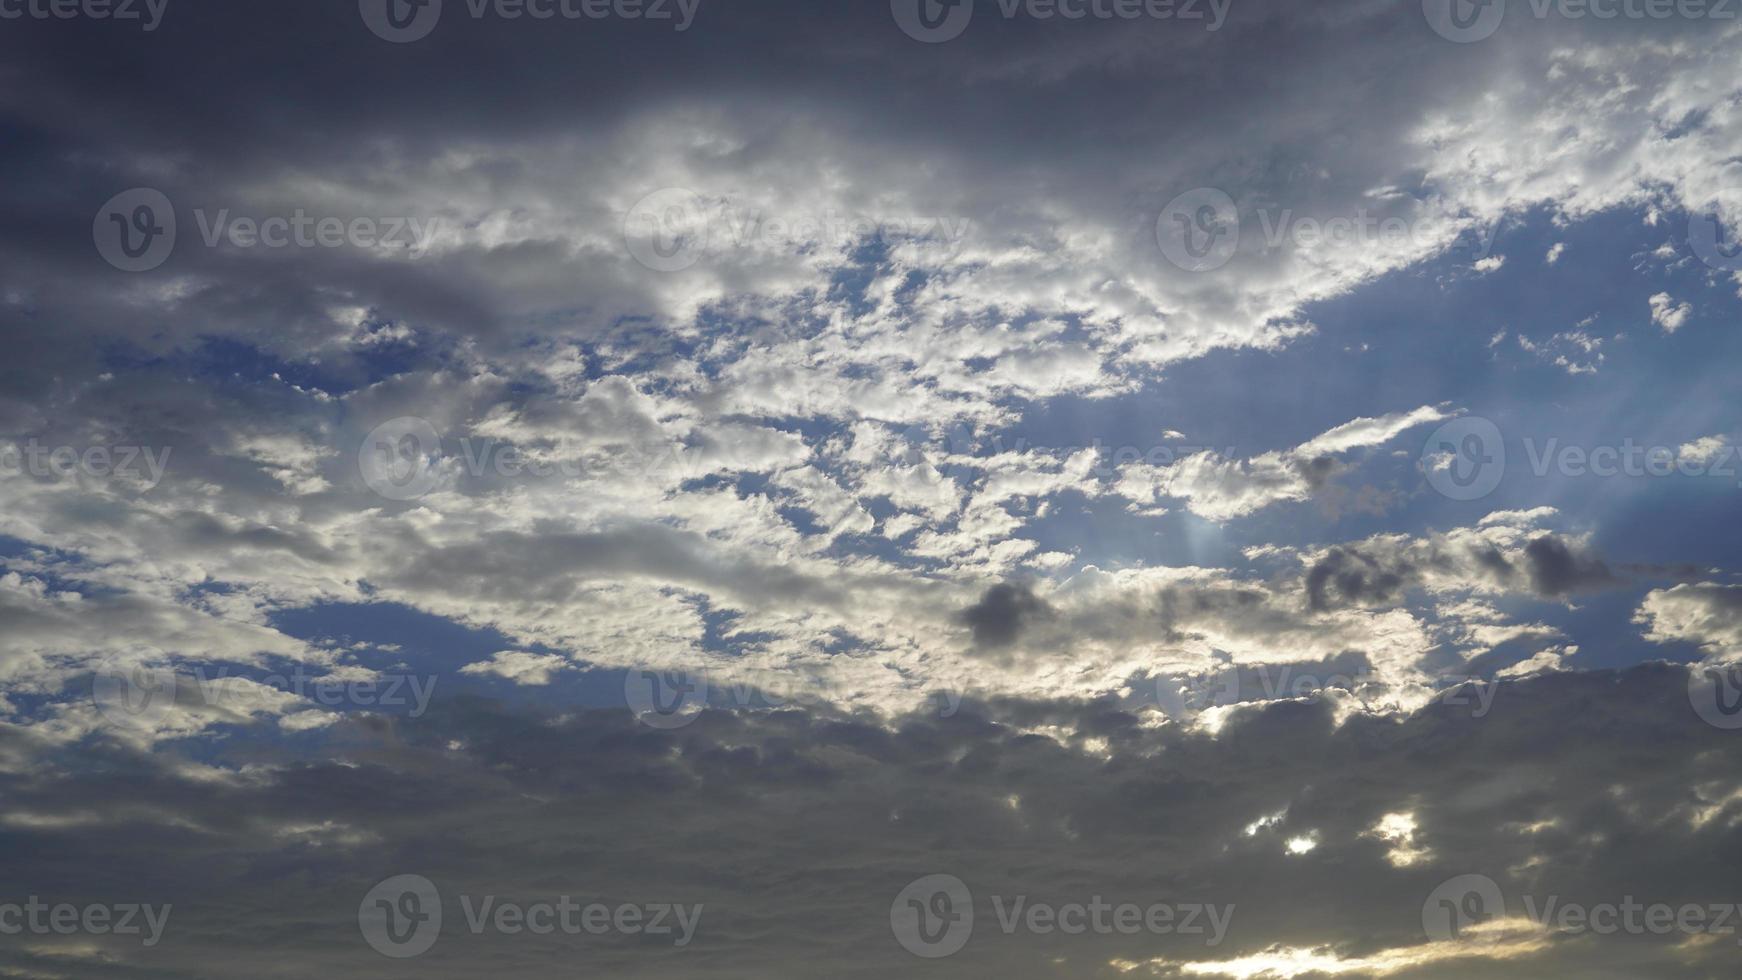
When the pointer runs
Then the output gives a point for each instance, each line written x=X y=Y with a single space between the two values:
x=1345 y=577
x=1557 y=570
x=797 y=830
x=1000 y=616
x=1318 y=471
x=1381 y=571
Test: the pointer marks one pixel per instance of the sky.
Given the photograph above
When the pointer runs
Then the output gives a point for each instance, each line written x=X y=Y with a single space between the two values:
x=926 y=488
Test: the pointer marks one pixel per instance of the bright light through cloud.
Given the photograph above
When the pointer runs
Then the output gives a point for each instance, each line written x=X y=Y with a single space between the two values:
x=1496 y=946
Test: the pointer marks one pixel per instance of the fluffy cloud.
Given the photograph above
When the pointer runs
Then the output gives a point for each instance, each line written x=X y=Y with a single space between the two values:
x=1222 y=489
x=1668 y=314
x=1705 y=614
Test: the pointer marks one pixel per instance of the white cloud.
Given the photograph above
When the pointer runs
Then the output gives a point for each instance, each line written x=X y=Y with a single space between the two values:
x=1221 y=489
x=1668 y=314
x=1704 y=450
x=1706 y=614
x=521 y=667
x=1573 y=351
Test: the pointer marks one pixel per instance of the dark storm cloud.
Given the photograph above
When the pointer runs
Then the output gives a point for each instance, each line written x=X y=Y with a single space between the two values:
x=261 y=107
x=1353 y=577
x=796 y=831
